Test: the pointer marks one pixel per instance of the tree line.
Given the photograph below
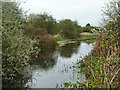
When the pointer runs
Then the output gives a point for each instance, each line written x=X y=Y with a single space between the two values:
x=66 y=27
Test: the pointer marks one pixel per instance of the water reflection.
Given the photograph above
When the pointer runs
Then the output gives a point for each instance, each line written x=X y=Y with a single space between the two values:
x=69 y=49
x=44 y=60
x=52 y=67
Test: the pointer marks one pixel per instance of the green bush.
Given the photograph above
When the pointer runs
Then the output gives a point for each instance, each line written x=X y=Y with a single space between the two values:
x=42 y=21
x=59 y=38
x=16 y=47
x=69 y=29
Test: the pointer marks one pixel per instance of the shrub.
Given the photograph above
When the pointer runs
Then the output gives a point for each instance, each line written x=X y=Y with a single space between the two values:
x=16 y=47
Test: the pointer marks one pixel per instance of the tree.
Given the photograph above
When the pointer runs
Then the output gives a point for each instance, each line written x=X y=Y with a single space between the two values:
x=42 y=21
x=16 y=47
x=87 y=28
x=88 y=25
x=111 y=12
x=69 y=29
x=111 y=19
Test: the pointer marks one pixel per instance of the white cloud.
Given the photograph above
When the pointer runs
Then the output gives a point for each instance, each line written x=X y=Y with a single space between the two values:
x=83 y=11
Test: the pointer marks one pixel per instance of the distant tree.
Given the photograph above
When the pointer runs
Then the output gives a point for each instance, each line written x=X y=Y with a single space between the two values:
x=87 y=28
x=42 y=21
x=88 y=25
x=69 y=29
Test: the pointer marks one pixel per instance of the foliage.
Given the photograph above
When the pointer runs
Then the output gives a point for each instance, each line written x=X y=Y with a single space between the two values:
x=44 y=40
x=110 y=12
x=72 y=86
x=87 y=28
x=16 y=47
x=42 y=21
x=69 y=29
x=102 y=64
x=59 y=38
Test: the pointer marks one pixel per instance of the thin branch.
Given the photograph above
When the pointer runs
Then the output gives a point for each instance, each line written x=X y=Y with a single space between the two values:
x=114 y=76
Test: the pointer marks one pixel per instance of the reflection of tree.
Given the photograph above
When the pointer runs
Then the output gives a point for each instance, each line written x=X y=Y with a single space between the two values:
x=69 y=49
x=45 y=59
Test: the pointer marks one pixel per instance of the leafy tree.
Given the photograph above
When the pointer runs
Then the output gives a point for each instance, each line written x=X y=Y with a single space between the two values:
x=69 y=29
x=42 y=21
x=87 y=28
x=88 y=25
x=16 y=47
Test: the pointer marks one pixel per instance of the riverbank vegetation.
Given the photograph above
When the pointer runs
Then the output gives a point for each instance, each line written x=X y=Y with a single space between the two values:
x=23 y=37
x=62 y=29
x=16 y=47
x=101 y=66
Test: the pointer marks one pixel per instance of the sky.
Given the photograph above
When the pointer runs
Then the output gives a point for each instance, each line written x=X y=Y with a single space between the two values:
x=83 y=11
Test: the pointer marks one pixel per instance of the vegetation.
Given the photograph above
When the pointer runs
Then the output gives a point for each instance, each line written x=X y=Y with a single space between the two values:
x=16 y=47
x=88 y=37
x=65 y=28
x=87 y=28
x=102 y=64
x=59 y=38
x=44 y=40
x=42 y=21
x=20 y=45
x=69 y=29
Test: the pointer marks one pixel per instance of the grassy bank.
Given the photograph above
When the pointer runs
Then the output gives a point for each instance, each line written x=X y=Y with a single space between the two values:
x=86 y=37
x=60 y=38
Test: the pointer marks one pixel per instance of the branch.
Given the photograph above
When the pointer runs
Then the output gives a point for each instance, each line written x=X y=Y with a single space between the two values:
x=114 y=76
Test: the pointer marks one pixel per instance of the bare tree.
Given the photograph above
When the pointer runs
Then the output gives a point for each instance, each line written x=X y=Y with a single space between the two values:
x=111 y=12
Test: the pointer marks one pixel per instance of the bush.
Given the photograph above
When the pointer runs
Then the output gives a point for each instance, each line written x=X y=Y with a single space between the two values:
x=44 y=40
x=69 y=29
x=16 y=47
x=42 y=21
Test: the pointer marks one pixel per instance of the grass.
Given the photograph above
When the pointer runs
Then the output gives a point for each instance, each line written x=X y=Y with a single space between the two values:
x=59 y=38
x=89 y=38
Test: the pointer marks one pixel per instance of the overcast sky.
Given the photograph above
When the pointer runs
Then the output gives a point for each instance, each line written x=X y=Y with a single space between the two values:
x=84 y=11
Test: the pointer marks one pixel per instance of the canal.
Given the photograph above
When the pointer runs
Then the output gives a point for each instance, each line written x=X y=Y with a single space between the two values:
x=55 y=67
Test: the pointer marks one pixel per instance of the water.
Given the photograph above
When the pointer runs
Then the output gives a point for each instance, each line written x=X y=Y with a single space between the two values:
x=53 y=67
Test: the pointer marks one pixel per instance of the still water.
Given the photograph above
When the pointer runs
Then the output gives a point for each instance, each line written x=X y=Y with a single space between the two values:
x=54 y=67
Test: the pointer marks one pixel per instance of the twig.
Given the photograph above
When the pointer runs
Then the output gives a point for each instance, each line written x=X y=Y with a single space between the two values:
x=92 y=71
x=114 y=76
